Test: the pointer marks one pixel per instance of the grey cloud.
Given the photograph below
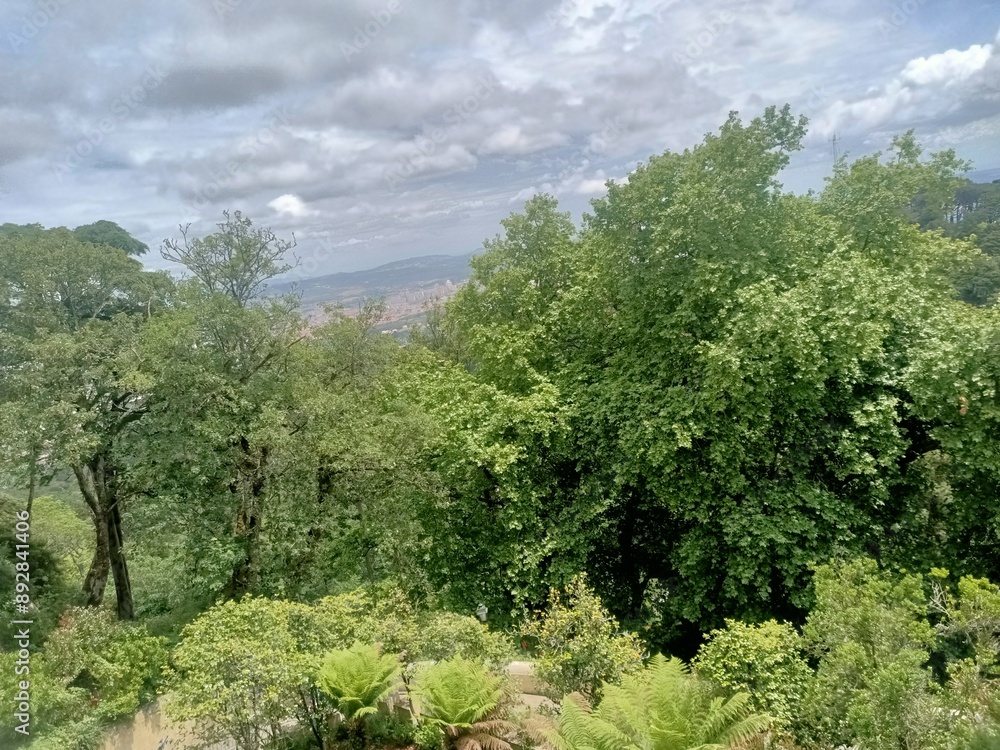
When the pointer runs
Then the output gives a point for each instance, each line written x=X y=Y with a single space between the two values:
x=200 y=87
x=23 y=135
x=584 y=88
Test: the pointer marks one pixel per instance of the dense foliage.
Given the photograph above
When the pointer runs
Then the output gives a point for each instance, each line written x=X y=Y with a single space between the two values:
x=736 y=422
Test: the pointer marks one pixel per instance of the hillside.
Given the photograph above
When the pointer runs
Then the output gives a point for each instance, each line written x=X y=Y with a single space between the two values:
x=408 y=287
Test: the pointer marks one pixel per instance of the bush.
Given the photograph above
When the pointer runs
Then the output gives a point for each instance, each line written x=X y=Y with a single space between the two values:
x=872 y=688
x=54 y=584
x=428 y=737
x=52 y=702
x=385 y=617
x=86 y=734
x=387 y=730
x=765 y=661
x=580 y=646
x=443 y=635
x=118 y=663
x=238 y=664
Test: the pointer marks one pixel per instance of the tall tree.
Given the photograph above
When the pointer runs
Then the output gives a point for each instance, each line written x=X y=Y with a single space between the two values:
x=727 y=362
x=237 y=261
x=108 y=233
x=67 y=310
x=217 y=363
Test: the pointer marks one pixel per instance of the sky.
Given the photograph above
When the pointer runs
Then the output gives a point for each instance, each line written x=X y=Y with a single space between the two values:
x=375 y=130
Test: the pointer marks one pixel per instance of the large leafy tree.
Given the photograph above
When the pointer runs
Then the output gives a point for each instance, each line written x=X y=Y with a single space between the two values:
x=67 y=311
x=109 y=233
x=725 y=372
x=219 y=371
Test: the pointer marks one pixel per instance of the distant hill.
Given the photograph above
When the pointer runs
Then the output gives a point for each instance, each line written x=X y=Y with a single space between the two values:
x=407 y=286
x=984 y=175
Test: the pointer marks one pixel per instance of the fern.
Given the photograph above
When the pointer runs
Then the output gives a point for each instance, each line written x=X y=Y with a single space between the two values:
x=357 y=680
x=465 y=700
x=662 y=707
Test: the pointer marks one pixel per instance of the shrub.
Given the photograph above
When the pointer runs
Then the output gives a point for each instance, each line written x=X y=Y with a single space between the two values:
x=118 y=663
x=52 y=702
x=580 y=646
x=765 y=661
x=238 y=665
x=86 y=734
x=385 y=616
x=428 y=737
x=872 y=688
x=388 y=730
x=445 y=634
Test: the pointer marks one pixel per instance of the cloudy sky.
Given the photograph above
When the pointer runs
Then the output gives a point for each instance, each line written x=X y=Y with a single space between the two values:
x=382 y=129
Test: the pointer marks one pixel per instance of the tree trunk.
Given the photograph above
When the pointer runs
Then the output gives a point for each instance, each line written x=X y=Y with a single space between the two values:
x=119 y=566
x=98 y=485
x=32 y=479
x=97 y=577
x=249 y=485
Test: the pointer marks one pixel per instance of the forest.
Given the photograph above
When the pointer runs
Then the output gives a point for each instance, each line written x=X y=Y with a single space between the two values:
x=721 y=460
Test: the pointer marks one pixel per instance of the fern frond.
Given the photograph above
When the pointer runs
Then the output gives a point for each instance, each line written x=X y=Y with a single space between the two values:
x=662 y=707
x=357 y=679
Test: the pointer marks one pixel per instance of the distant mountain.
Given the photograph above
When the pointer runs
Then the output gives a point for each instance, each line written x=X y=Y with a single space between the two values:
x=984 y=175
x=408 y=286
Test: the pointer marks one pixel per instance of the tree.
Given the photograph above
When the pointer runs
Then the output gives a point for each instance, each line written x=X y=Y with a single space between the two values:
x=110 y=234
x=67 y=310
x=218 y=372
x=505 y=308
x=725 y=373
x=218 y=367
x=237 y=261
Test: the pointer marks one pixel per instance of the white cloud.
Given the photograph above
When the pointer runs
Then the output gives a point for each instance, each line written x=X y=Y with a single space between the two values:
x=513 y=139
x=934 y=92
x=947 y=67
x=290 y=205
